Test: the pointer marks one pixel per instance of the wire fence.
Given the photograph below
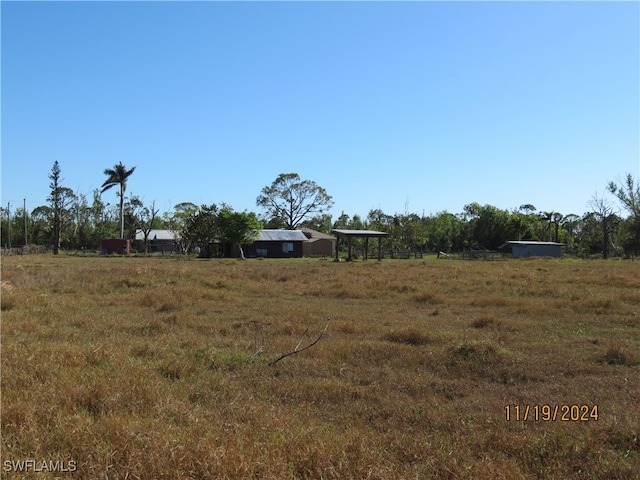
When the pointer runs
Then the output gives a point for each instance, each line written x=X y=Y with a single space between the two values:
x=28 y=250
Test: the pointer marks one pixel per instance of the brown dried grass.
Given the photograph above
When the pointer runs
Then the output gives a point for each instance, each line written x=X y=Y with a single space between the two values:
x=148 y=367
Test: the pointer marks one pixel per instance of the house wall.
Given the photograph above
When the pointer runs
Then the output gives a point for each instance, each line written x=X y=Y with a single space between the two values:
x=272 y=249
x=319 y=248
x=165 y=246
x=536 y=250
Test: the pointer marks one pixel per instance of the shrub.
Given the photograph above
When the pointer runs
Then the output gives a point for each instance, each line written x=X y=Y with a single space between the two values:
x=483 y=322
x=617 y=355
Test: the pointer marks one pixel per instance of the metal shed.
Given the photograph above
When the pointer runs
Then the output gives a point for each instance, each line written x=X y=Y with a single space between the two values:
x=525 y=248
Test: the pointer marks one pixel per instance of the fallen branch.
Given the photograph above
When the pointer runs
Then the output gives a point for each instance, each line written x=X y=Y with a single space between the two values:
x=298 y=349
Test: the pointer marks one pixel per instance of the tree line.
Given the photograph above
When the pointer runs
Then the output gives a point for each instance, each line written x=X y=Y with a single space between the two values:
x=77 y=221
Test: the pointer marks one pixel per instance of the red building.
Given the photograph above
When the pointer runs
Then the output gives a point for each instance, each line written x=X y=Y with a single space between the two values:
x=115 y=245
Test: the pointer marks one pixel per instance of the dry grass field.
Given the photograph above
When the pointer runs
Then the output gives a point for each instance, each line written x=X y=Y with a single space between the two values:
x=149 y=368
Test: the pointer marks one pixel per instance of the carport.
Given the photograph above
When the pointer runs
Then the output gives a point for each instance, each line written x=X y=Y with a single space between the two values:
x=366 y=234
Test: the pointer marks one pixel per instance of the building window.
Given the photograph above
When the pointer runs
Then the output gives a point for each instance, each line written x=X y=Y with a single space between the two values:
x=287 y=247
x=261 y=252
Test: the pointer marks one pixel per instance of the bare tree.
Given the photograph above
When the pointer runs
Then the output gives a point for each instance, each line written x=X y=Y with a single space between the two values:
x=628 y=193
x=603 y=210
x=146 y=218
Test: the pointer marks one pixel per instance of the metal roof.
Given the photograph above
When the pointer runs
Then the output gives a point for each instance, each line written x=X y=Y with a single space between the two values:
x=359 y=233
x=158 y=235
x=267 y=235
x=530 y=242
x=315 y=235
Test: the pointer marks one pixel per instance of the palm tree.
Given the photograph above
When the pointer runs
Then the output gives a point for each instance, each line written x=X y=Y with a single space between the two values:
x=557 y=219
x=547 y=217
x=118 y=175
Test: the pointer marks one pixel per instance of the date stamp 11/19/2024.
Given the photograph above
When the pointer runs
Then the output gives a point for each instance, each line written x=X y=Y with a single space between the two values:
x=551 y=413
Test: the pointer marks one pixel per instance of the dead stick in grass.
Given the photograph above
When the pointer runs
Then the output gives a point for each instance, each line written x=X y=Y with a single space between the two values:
x=258 y=351
x=298 y=349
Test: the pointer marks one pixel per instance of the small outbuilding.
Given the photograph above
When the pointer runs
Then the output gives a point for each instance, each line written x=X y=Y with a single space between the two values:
x=276 y=244
x=115 y=245
x=527 y=248
x=318 y=244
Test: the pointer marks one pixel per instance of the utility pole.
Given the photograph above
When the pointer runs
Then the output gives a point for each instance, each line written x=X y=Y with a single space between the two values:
x=24 y=208
x=9 y=223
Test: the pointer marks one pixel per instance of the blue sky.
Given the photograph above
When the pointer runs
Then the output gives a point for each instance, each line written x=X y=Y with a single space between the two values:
x=402 y=106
